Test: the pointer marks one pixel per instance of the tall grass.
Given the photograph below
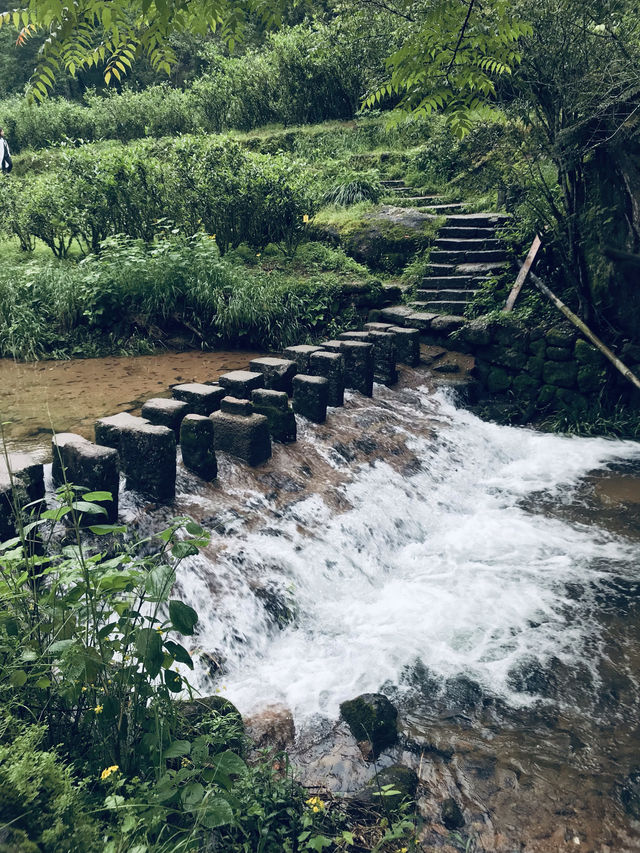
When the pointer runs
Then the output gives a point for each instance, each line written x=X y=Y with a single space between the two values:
x=134 y=292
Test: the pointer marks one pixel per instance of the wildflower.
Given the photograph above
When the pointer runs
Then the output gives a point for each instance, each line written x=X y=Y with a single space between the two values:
x=316 y=804
x=305 y=218
x=186 y=762
x=84 y=689
x=98 y=709
x=108 y=771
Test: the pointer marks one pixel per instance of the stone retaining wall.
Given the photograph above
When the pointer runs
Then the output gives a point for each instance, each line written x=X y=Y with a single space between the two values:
x=542 y=369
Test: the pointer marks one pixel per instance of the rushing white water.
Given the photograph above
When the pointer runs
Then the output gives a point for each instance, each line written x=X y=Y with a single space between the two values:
x=452 y=566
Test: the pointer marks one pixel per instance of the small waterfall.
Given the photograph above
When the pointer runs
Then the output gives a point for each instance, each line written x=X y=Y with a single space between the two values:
x=408 y=531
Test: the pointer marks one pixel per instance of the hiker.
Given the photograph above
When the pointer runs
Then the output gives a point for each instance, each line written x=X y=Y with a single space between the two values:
x=5 y=154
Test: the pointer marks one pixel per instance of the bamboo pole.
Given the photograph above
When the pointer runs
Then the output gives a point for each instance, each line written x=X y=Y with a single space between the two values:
x=586 y=331
x=522 y=275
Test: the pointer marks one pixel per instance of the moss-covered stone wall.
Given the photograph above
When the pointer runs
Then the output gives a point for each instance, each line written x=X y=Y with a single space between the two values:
x=543 y=369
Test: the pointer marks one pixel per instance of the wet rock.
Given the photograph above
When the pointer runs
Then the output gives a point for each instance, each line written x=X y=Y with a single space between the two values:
x=240 y=383
x=161 y=411
x=200 y=399
x=462 y=694
x=196 y=439
x=560 y=336
x=148 y=455
x=277 y=372
x=273 y=727
x=452 y=816
x=384 y=357
x=402 y=780
x=77 y=460
x=630 y=794
x=247 y=438
x=21 y=483
x=371 y=717
x=277 y=603
x=330 y=365
x=310 y=395
x=446 y=367
x=445 y=324
x=532 y=677
x=193 y=710
x=274 y=405
x=214 y=662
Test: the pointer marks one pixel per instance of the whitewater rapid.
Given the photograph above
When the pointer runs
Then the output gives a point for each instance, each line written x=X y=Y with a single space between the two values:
x=453 y=563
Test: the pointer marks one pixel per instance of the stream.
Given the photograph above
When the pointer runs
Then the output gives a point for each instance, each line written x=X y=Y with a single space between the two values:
x=484 y=577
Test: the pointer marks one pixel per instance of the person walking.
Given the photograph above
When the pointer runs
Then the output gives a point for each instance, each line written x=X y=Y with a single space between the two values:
x=5 y=154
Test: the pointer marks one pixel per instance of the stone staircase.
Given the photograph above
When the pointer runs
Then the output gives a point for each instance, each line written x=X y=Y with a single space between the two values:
x=432 y=203
x=465 y=252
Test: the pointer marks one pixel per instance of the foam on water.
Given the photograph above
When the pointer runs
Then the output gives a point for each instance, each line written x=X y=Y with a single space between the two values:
x=445 y=567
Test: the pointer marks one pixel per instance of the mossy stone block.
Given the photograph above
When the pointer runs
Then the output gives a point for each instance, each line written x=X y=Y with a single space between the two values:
x=586 y=353
x=535 y=366
x=560 y=336
x=372 y=717
x=538 y=347
x=525 y=386
x=547 y=395
x=559 y=353
x=570 y=400
x=498 y=380
x=591 y=378
x=561 y=373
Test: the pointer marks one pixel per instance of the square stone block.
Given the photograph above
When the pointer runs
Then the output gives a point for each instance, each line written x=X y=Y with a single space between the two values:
x=331 y=366
x=162 y=411
x=301 y=354
x=310 y=395
x=234 y=406
x=196 y=441
x=277 y=372
x=358 y=366
x=246 y=438
x=200 y=399
x=407 y=345
x=240 y=383
x=148 y=455
x=79 y=462
x=108 y=431
x=274 y=405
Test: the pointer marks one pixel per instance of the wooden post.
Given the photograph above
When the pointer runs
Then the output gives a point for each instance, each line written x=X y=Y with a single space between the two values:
x=522 y=275
x=586 y=331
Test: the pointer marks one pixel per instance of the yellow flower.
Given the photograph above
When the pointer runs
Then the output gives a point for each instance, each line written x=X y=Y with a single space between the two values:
x=98 y=709
x=108 y=771
x=317 y=805
x=305 y=218
x=84 y=689
x=186 y=762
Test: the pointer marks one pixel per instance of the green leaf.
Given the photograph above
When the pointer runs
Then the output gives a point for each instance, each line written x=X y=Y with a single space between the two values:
x=179 y=653
x=183 y=549
x=159 y=581
x=149 y=647
x=183 y=618
x=90 y=509
x=216 y=813
x=173 y=680
x=177 y=749
x=194 y=529
x=104 y=529
x=60 y=646
x=18 y=678
x=192 y=796
x=230 y=763
x=98 y=496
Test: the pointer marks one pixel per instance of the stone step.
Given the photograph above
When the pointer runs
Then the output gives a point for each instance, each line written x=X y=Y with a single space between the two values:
x=477 y=220
x=440 y=306
x=466 y=245
x=444 y=208
x=481 y=270
x=451 y=282
x=442 y=269
x=391 y=182
x=423 y=200
x=466 y=232
x=455 y=295
x=458 y=257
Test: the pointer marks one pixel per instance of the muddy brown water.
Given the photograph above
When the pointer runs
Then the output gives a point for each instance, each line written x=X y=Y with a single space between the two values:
x=39 y=398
